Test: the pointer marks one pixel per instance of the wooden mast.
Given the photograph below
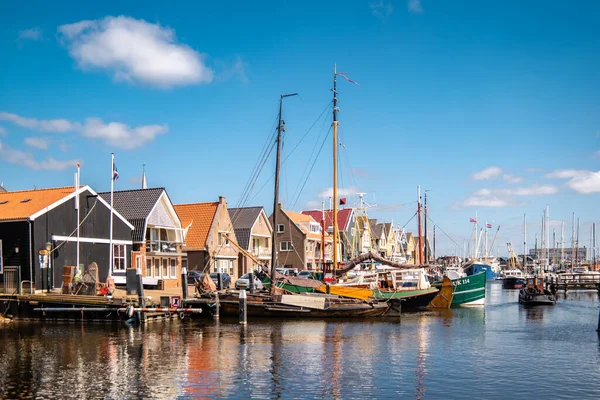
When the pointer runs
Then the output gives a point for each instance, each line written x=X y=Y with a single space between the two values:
x=335 y=140
x=420 y=243
x=280 y=129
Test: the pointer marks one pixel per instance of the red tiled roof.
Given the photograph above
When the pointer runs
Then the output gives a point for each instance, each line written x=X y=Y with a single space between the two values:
x=13 y=207
x=201 y=217
x=343 y=217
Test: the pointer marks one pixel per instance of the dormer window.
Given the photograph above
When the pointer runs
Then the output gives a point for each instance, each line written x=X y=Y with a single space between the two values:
x=25 y=200
x=3 y=201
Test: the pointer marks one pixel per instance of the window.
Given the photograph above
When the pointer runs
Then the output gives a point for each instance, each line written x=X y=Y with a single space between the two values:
x=173 y=268
x=352 y=231
x=119 y=258
x=184 y=263
x=223 y=241
x=165 y=267
x=286 y=246
x=156 y=267
x=280 y=228
x=149 y=267
x=314 y=228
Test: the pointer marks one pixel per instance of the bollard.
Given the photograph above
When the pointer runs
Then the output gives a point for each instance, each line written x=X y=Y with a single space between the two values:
x=219 y=281
x=217 y=306
x=243 y=308
x=251 y=282
x=140 y=287
x=184 y=283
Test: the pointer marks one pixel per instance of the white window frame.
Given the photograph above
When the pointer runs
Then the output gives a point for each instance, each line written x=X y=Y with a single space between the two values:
x=289 y=246
x=149 y=267
x=223 y=241
x=119 y=253
x=164 y=273
x=173 y=267
x=280 y=228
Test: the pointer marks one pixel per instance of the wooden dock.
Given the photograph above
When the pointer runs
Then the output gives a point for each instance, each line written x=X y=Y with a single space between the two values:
x=578 y=281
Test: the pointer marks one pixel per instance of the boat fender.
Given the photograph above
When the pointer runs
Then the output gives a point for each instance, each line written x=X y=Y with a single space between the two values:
x=130 y=311
x=181 y=315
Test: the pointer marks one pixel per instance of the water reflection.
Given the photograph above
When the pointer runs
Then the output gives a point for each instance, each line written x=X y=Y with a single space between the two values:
x=434 y=354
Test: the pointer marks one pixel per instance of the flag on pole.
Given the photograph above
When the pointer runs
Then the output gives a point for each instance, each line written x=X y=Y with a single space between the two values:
x=488 y=225
x=473 y=220
x=115 y=176
x=348 y=79
x=342 y=201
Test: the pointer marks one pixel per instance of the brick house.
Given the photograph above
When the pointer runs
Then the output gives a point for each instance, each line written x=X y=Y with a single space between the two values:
x=253 y=233
x=207 y=227
x=157 y=237
x=299 y=240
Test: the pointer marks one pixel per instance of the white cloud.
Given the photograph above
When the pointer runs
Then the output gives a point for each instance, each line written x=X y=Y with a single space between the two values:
x=415 y=7
x=37 y=142
x=597 y=154
x=30 y=34
x=350 y=191
x=135 y=50
x=382 y=10
x=18 y=157
x=487 y=173
x=512 y=178
x=52 y=125
x=114 y=134
x=3 y=131
x=581 y=181
x=313 y=205
x=120 y=135
x=505 y=197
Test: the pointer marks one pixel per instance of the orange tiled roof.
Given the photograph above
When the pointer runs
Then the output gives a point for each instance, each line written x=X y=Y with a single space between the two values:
x=200 y=216
x=12 y=207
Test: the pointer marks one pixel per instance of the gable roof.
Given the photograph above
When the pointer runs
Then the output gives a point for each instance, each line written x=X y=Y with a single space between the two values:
x=299 y=218
x=387 y=229
x=2 y=190
x=343 y=217
x=41 y=201
x=243 y=220
x=197 y=218
x=135 y=205
x=12 y=206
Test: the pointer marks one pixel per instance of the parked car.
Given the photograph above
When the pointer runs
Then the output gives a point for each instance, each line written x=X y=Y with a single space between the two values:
x=244 y=282
x=287 y=271
x=225 y=276
x=306 y=274
x=194 y=276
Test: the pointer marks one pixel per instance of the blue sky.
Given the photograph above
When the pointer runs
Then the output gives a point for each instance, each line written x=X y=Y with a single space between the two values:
x=492 y=106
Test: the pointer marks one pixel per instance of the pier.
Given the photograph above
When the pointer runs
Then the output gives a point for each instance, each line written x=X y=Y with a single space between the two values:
x=575 y=281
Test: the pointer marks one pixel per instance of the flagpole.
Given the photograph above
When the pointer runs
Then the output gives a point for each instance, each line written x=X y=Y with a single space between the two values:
x=77 y=180
x=112 y=186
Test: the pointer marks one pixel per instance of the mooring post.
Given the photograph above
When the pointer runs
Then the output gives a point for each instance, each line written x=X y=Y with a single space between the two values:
x=217 y=306
x=219 y=281
x=251 y=282
x=184 y=283
x=243 y=308
x=328 y=288
x=140 y=287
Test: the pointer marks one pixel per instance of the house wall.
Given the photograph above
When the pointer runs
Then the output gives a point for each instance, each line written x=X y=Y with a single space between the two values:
x=164 y=216
x=15 y=235
x=62 y=221
x=290 y=259
x=222 y=253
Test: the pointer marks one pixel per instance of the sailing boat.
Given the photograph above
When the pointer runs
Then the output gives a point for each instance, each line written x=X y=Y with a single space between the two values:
x=308 y=304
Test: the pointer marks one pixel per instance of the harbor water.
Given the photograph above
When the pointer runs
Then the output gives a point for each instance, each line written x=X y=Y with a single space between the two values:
x=500 y=351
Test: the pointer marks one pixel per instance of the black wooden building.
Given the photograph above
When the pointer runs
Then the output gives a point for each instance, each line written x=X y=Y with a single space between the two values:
x=35 y=220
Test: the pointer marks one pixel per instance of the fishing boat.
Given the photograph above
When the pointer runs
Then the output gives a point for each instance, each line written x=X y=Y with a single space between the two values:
x=513 y=279
x=535 y=293
x=468 y=285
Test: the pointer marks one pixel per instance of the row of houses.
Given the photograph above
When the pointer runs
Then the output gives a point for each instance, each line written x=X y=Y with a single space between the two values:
x=39 y=236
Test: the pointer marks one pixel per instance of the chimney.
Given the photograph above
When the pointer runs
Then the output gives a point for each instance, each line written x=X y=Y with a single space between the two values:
x=222 y=199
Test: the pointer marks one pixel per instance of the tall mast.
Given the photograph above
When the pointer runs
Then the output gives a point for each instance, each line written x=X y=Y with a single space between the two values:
x=554 y=247
x=475 y=238
x=577 y=242
x=323 y=224
x=426 y=258
x=594 y=244
x=335 y=141
x=562 y=243
x=547 y=235
x=434 y=258
x=573 y=241
x=280 y=129
x=485 y=244
x=525 y=242
x=420 y=244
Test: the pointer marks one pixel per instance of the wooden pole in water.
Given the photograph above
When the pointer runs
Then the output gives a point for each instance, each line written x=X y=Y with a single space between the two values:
x=184 y=283
x=243 y=308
